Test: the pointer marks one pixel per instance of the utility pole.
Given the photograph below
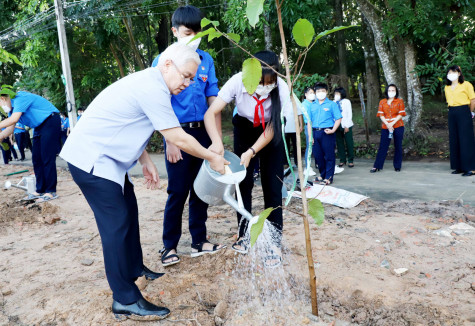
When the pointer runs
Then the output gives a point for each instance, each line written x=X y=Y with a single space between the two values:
x=68 y=80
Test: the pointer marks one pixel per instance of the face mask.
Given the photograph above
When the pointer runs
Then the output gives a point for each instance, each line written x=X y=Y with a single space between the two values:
x=452 y=77
x=311 y=97
x=264 y=90
x=6 y=109
x=391 y=94
x=194 y=45
x=321 y=96
x=337 y=98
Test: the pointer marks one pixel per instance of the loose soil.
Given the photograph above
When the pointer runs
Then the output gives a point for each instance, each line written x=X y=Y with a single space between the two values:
x=53 y=274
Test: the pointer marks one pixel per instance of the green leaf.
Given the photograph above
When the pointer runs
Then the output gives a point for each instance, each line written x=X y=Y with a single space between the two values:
x=202 y=34
x=251 y=74
x=214 y=34
x=235 y=37
x=8 y=91
x=316 y=211
x=205 y=22
x=253 y=10
x=256 y=228
x=333 y=30
x=303 y=32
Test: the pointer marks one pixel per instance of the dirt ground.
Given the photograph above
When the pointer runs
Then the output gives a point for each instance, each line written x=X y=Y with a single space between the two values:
x=52 y=272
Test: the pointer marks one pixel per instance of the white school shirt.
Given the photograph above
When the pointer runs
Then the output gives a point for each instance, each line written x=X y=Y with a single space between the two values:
x=234 y=90
x=347 y=113
x=290 y=121
x=117 y=125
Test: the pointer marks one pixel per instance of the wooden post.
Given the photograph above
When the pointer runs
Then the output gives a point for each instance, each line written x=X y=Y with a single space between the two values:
x=68 y=80
x=363 y=111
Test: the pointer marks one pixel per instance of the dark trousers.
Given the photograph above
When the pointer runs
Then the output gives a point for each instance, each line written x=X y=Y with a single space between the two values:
x=46 y=144
x=461 y=139
x=324 y=153
x=181 y=176
x=21 y=142
x=271 y=159
x=398 y=136
x=116 y=214
x=14 y=153
x=291 y=137
x=7 y=154
x=64 y=136
x=344 y=144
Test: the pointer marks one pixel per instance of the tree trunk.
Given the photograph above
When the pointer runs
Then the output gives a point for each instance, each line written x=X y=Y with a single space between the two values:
x=414 y=99
x=372 y=84
x=119 y=63
x=161 y=37
x=133 y=44
x=340 y=38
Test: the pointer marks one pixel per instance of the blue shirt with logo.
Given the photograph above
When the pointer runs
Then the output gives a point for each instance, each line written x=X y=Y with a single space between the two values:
x=64 y=124
x=324 y=115
x=34 y=108
x=191 y=104
x=17 y=128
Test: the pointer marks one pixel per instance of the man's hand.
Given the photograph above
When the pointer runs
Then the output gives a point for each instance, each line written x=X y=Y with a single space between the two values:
x=173 y=153
x=217 y=163
x=347 y=130
x=150 y=173
x=217 y=148
x=246 y=158
x=328 y=131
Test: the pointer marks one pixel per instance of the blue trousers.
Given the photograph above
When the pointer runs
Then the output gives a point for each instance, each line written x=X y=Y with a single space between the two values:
x=7 y=154
x=117 y=219
x=324 y=153
x=398 y=135
x=46 y=144
x=181 y=176
x=21 y=142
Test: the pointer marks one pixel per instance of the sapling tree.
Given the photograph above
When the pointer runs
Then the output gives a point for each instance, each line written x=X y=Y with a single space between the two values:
x=304 y=35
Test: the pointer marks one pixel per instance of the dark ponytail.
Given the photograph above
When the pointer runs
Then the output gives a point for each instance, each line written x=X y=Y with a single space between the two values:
x=272 y=60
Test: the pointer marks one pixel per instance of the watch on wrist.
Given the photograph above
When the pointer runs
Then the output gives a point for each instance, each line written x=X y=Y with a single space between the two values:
x=253 y=151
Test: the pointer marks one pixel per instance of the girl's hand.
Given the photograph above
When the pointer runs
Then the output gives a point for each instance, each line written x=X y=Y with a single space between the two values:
x=246 y=158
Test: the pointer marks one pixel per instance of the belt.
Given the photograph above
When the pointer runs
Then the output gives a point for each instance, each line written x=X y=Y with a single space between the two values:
x=319 y=129
x=194 y=124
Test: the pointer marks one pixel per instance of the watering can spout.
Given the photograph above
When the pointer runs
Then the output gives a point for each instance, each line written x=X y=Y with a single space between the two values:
x=229 y=199
x=8 y=184
x=27 y=184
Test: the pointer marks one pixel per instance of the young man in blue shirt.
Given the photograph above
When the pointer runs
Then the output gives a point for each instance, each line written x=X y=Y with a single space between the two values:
x=189 y=106
x=326 y=118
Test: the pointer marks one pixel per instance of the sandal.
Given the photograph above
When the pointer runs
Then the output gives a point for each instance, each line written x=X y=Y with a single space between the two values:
x=374 y=170
x=47 y=197
x=272 y=257
x=165 y=255
x=318 y=179
x=326 y=182
x=351 y=165
x=241 y=243
x=201 y=252
x=31 y=197
x=341 y=165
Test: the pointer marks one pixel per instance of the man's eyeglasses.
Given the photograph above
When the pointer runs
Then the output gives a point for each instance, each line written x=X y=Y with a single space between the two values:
x=189 y=80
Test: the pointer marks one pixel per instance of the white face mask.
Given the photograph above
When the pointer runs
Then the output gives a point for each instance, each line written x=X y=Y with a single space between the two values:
x=264 y=90
x=321 y=95
x=310 y=97
x=337 y=97
x=6 y=108
x=452 y=76
x=194 y=45
x=391 y=94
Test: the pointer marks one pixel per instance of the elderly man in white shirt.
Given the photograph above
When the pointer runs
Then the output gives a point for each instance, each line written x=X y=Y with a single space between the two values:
x=110 y=138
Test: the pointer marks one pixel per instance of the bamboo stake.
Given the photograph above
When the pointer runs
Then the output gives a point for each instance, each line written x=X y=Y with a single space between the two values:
x=308 y=243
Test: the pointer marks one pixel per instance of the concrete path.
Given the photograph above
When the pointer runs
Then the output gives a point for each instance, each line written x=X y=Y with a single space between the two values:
x=417 y=180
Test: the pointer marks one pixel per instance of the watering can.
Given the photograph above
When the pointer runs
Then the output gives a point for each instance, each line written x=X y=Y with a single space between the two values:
x=26 y=183
x=216 y=189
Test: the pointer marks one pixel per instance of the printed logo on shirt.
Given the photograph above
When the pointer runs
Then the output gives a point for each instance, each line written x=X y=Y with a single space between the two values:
x=202 y=67
x=203 y=77
x=326 y=109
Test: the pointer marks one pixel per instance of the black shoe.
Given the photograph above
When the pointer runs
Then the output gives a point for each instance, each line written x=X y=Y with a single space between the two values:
x=149 y=275
x=397 y=170
x=374 y=170
x=457 y=172
x=140 y=310
x=468 y=174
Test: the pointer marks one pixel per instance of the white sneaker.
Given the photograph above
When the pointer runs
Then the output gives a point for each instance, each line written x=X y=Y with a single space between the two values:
x=338 y=169
x=311 y=173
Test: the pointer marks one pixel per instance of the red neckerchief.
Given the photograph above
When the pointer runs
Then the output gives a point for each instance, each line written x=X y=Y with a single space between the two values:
x=256 y=114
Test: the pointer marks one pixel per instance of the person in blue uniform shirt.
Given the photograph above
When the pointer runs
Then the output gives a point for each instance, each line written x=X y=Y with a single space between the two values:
x=190 y=107
x=20 y=138
x=326 y=118
x=64 y=128
x=38 y=113
x=127 y=113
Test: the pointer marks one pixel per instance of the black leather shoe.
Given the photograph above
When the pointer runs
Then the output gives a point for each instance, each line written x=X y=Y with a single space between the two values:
x=374 y=170
x=140 y=310
x=457 y=172
x=397 y=170
x=468 y=174
x=149 y=275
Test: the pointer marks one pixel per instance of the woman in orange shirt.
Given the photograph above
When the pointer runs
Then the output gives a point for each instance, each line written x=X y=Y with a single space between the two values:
x=391 y=110
x=461 y=100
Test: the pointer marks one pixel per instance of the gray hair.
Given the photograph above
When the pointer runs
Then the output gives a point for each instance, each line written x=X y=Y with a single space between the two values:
x=179 y=53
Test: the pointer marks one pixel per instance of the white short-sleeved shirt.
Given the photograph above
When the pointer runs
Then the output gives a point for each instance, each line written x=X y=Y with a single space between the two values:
x=290 y=121
x=234 y=90
x=346 y=112
x=117 y=125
